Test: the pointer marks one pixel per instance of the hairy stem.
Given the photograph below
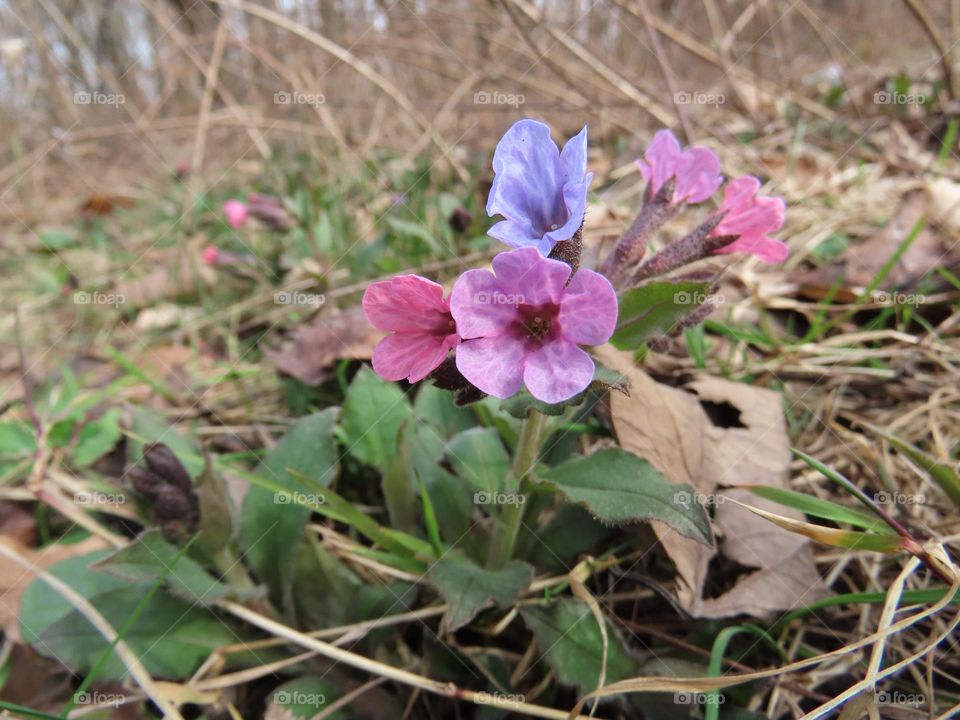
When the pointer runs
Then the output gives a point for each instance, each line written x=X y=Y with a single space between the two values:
x=510 y=515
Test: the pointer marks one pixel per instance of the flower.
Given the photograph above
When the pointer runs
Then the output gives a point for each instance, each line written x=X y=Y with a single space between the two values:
x=210 y=255
x=422 y=330
x=541 y=191
x=522 y=324
x=752 y=217
x=236 y=213
x=697 y=169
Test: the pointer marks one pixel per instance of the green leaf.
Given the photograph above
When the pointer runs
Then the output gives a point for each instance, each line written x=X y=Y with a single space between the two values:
x=653 y=309
x=150 y=556
x=172 y=636
x=373 y=412
x=97 y=438
x=216 y=510
x=618 y=487
x=478 y=456
x=16 y=440
x=58 y=239
x=399 y=485
x=568 y=634
x=436 y=408
x=467 y=587
x=419 y=231
x=819 y=508
x=271 y=525
x=604 y=378
x=450 y=495
x=943 y=474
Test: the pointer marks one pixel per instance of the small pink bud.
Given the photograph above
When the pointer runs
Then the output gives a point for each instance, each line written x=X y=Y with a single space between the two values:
x=210 y=255
x=236 y=213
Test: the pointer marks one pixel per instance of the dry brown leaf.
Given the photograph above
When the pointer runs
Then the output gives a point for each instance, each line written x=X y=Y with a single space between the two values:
x=861 y=262
x=14 y=579
x=327 y=338
x=672 y=428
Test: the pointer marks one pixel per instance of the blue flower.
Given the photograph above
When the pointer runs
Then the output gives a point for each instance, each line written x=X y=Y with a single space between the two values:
x=541 y=191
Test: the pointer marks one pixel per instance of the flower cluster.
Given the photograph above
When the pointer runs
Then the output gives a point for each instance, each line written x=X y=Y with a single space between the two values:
x=525 y=322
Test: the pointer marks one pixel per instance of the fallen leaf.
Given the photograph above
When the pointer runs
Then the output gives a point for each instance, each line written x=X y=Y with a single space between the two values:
x=316 y=346
x=713 y=434
x=862 y=261
x=14 y=579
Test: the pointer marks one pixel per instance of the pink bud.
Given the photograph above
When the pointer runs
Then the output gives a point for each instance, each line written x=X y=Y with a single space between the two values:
x=210 y=255
x=236 y=213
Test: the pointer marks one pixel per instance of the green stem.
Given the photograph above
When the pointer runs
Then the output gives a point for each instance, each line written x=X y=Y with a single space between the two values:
x=510 y=515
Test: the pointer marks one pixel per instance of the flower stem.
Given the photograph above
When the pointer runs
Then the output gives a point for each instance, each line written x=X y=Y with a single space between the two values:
x=510 y=515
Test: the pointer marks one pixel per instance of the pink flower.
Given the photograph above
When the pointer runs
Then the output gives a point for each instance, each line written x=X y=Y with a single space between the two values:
x=697 y=169
x=522 y=325
x=210 y=255
x=236 y=213
x=752 y=217
x=422 y=330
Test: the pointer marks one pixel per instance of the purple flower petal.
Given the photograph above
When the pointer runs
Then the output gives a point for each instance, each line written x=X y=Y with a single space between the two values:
x=557 y=371
x=697 y=169
x=588 y=311
x=493 y=364
x=541 y=192
x=530 y=278
x=479 y=304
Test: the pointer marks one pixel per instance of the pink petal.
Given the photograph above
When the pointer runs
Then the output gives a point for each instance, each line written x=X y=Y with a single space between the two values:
x=557 y=371
x=662 y=154
x=698 y=175
x=493 y=364
x=236 y=213
x=530 y=277
x=765 y=248
x=588 y=310
x=210 y=255
x=409 y=355
x=753 y=217
x=407 y=303
x=479 y=306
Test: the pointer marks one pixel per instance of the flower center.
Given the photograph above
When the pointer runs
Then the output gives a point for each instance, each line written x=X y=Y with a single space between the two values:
x=537 y=322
